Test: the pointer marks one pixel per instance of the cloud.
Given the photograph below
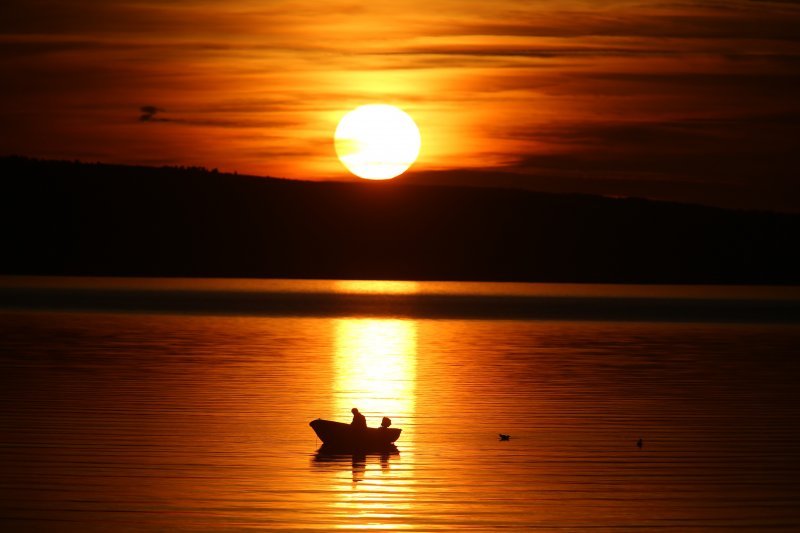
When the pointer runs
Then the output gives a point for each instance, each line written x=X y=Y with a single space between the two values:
x=148 y=113
x=740 y=161
x=223 y=117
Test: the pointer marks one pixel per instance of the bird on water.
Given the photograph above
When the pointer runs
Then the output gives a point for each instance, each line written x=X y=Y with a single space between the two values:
x=504 y=437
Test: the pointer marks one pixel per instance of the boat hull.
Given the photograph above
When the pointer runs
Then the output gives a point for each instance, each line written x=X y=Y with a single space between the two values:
x=337 y=435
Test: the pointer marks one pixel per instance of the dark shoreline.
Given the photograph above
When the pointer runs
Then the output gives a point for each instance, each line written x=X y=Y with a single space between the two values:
x=320 y=304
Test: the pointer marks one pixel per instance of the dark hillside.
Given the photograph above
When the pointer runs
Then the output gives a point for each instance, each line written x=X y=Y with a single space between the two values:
x=94 y=219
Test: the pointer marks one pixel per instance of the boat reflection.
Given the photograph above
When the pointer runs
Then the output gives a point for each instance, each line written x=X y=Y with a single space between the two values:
x=331 y=457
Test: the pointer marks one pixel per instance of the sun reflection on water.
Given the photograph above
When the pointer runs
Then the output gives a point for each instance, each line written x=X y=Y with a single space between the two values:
x=375 y=369
x=376 y=365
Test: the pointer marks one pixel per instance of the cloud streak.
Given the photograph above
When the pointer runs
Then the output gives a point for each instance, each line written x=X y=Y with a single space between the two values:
x=148 y=114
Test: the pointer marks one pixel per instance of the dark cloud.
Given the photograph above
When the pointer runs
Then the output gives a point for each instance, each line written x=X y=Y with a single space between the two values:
x=209 y=117
x=533 y=52
x=752 y=134
x=695 y=23
x=733 y=162
x=742 y=161
x=148 y=114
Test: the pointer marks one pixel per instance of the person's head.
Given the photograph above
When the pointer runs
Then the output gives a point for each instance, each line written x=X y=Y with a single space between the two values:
x=354 y=410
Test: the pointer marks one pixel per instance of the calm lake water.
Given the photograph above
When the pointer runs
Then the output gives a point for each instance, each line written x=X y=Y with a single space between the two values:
x=183 y=405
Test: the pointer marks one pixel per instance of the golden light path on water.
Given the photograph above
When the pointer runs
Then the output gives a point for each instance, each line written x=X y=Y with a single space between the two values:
x=376 y=371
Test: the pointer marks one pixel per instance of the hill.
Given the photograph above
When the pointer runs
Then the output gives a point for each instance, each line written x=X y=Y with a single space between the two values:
x=95 y=219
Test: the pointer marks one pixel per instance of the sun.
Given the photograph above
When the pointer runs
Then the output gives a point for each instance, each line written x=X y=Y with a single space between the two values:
x=377 y=141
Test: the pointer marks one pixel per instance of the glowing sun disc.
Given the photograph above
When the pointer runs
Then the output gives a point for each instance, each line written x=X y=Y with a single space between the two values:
x=377 y=141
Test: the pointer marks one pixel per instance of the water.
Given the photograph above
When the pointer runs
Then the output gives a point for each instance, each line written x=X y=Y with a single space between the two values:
x=125 y=419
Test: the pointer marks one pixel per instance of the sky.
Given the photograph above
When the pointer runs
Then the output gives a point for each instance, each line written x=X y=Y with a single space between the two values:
x=694 y=101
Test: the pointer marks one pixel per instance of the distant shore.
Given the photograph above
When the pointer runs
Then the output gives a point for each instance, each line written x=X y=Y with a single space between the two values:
x=465 y=301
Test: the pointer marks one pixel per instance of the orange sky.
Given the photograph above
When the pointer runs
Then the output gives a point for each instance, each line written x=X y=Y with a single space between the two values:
x=693 y=101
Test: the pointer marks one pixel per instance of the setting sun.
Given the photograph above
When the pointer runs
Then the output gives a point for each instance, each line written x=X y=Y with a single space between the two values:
x=377 y=141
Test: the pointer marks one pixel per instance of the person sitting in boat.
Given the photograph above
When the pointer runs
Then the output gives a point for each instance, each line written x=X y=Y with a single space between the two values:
x=359 y=420
x=386 y=422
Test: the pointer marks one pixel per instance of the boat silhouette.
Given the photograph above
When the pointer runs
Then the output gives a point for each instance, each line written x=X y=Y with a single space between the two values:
x=344 y=437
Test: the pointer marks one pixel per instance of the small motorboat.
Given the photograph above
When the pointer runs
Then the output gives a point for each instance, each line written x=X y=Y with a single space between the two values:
x=341 y=436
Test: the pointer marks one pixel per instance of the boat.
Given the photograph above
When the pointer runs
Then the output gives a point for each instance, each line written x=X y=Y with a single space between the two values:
x=341 y=436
